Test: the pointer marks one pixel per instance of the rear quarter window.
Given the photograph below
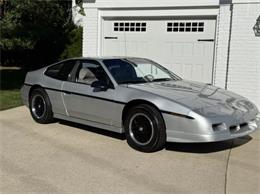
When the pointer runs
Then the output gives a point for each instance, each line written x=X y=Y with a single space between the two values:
x=60 y=71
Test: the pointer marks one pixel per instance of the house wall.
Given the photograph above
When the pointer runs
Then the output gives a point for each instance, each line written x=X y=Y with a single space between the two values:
x=90 y=33
x=222 y=41
x=244 y=64
x=237 y=55
x=94 y=9
x=237 y=66
x=147 y=3
x=91 y=23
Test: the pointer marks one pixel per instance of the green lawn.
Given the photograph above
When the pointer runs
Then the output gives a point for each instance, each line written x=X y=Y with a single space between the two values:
x=11 y=81
x=10 y=99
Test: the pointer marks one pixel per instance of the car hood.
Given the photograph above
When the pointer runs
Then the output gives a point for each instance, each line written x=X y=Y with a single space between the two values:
x=199 y=97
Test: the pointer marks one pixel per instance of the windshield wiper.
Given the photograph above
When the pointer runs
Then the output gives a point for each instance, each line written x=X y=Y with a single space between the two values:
x=162 y=79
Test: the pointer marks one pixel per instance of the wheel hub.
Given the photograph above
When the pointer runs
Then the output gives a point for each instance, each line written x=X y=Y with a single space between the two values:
x=38 y=106
x=141 y=129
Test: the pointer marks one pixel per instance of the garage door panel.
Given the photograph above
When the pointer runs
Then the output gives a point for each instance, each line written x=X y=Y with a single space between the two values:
x=188 y=49
x=168 y=49
x=177 y=68
x=198 y=71
x=177 y=50
x=184 y=46
x=115 y=48
x=199 y=51
x=187 y=70
x=136 y=48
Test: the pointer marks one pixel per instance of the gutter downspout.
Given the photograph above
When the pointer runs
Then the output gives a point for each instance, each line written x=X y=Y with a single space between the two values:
x=229 y=45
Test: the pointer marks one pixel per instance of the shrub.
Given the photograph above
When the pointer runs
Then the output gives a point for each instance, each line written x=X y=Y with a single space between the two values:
x=73 y=47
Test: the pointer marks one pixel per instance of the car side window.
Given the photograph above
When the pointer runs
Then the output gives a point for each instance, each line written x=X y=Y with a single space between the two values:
x=90 y=71
x=60 y=71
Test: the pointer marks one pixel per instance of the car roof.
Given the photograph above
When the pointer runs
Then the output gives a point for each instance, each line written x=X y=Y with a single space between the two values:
x=104 y=58
x=98 y=58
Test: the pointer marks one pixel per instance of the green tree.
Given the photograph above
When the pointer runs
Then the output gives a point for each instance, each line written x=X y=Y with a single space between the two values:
x=73 y=48
x=34 y=33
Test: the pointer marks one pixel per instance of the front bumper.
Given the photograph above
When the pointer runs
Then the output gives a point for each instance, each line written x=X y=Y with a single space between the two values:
x=188 y=131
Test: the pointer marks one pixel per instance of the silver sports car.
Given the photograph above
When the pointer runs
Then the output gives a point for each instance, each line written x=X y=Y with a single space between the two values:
x=140 y=98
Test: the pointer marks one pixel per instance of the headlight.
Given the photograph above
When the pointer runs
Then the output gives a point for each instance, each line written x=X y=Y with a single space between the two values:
x=219 y=127
x=257 y=117
x=252 y=125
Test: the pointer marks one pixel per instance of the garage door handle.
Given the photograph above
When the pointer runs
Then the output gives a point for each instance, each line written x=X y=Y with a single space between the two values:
x=208 y=40
x=111 y=37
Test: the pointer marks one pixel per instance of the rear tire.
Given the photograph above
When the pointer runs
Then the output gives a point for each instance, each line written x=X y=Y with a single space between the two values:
x=145 y=129
x=40 y=106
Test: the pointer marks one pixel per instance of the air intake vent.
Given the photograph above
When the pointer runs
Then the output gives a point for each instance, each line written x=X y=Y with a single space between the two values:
x=237 y=128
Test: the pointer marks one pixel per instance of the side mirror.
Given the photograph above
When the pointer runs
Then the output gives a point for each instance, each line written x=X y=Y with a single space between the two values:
x=100 y=86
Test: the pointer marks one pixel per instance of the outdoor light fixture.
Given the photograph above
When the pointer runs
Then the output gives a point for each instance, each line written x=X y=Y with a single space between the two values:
x=256 y=28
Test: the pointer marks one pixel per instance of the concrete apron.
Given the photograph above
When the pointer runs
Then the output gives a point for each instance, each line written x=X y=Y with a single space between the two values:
x=68 y=158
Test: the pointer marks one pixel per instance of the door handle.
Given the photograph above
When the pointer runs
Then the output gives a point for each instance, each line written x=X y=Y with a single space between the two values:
x=206 y=40
x=111 y=37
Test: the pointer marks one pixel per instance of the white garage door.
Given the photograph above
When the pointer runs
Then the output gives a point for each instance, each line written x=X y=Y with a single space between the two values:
x=184 y=46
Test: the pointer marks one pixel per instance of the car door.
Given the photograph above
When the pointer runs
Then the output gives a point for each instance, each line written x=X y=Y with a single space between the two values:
x=55 y=76
x=86 y=102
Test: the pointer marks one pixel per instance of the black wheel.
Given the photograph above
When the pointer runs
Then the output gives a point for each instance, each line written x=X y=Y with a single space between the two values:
x=145 y=129
x=40 y=106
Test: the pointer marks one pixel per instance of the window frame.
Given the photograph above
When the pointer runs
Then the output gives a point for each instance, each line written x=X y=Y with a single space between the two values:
x=129 y=60
x=60 y=63
x=130 y=26
x=185 y=26
x=77 y=67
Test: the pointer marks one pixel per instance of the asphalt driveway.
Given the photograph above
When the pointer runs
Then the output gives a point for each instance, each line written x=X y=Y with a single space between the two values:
x=68 y=158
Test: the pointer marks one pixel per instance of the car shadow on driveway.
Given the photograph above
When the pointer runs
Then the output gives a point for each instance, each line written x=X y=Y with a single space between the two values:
x=212 y=147
x=199 y=148
x=93 y=130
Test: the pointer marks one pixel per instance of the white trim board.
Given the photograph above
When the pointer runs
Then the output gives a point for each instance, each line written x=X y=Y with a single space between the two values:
x=147 y=3
x=158 y=13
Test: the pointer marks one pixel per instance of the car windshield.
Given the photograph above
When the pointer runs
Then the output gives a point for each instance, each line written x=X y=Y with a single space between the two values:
x=138 y=70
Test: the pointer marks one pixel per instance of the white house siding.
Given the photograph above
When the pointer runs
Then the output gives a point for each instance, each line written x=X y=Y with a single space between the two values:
x=222 y=39
x=244 y=66
x=90 y=33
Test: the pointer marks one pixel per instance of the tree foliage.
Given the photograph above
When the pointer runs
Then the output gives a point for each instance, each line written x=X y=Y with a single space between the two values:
x=73 y=48
x=35 y=33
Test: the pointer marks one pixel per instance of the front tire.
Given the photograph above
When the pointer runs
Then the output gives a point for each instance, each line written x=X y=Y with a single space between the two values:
x=40 y=106
x=145 y=129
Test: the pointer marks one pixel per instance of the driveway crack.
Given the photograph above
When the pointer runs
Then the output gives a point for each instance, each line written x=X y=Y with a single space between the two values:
x=226 y=174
